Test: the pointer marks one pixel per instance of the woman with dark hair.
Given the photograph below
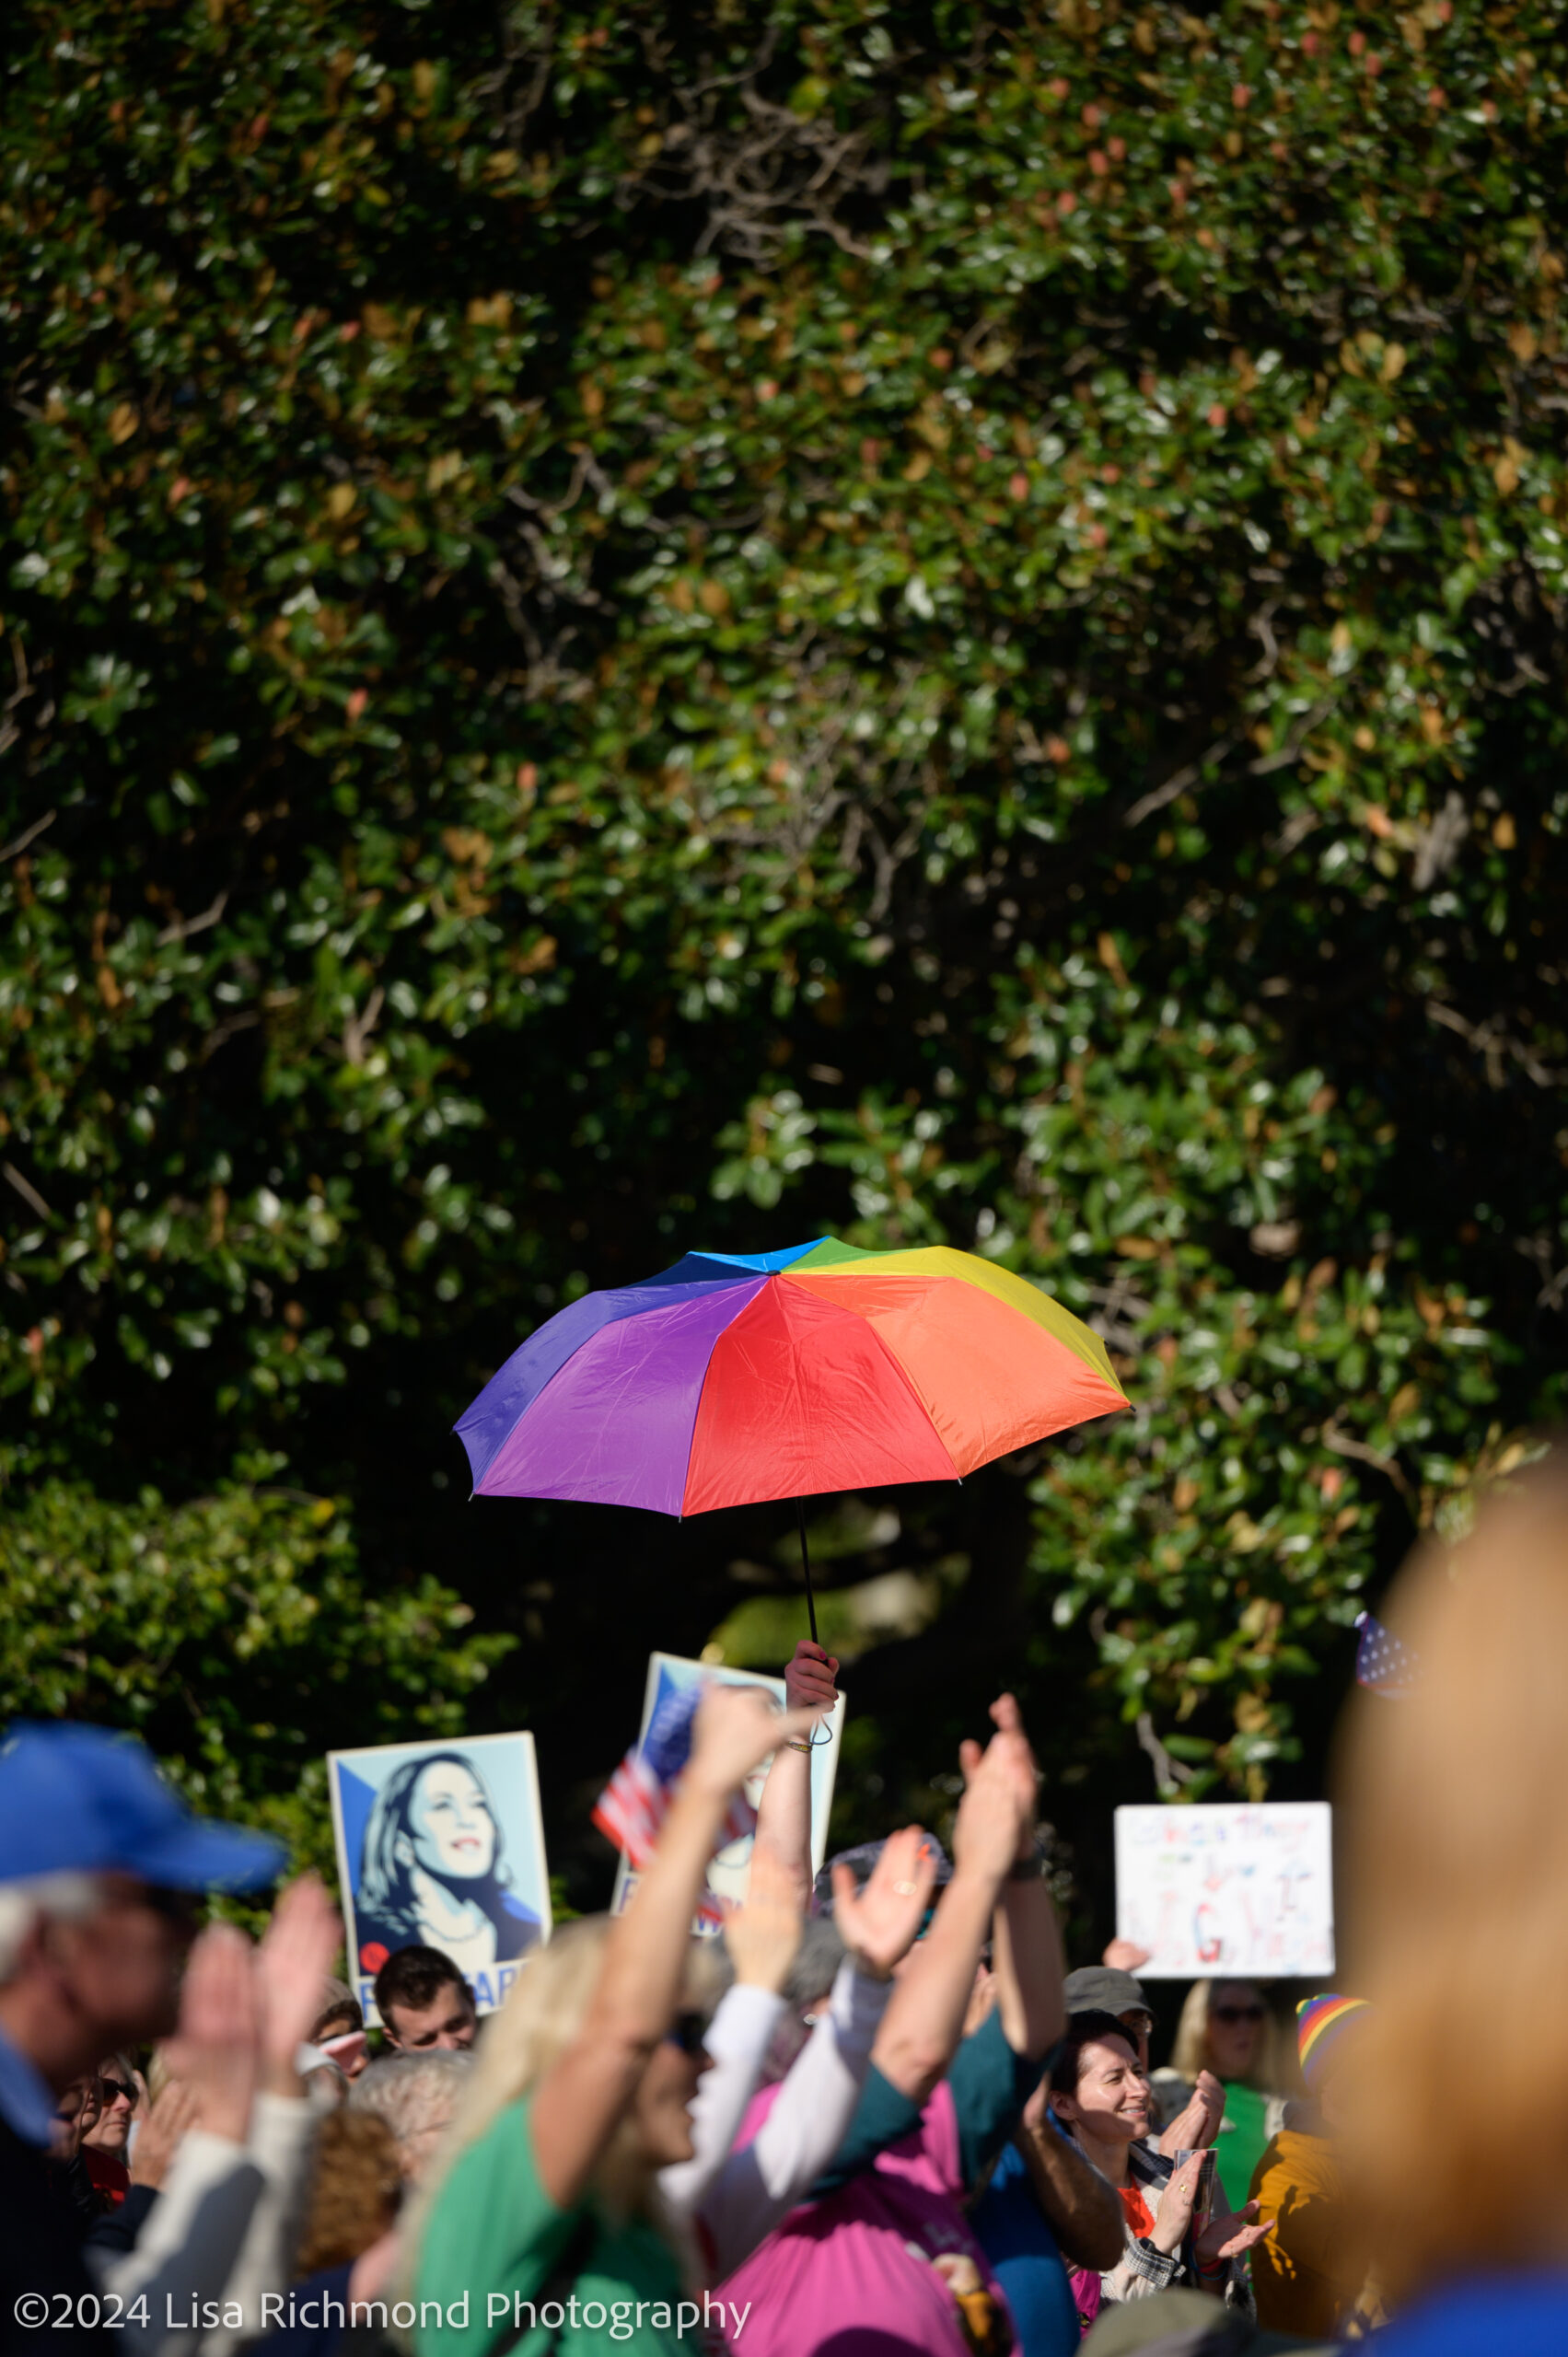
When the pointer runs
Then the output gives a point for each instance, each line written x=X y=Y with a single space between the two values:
x=1100 y=2095
x=432 y=1873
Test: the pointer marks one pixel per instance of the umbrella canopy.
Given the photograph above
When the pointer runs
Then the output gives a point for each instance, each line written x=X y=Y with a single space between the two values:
x=734 y=1377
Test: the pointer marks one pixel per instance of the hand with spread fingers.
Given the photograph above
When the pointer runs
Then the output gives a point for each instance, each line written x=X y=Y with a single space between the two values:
x=1227 y=2236
x=879 y=1924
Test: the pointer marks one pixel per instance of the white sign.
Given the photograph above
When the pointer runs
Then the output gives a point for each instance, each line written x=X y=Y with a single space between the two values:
x=1227 y=1891
x=731 y=1870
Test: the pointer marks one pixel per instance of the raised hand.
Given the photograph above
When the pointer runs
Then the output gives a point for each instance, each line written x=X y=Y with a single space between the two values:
x=1013 y=1747
x=992 y=1825
x=298 y=1952
x=763 y=1933
x=1126 y=1955
x=1197 y=2124
x=216 y=2045
x=1005 y=1774
x=809 y=1679
x=737 y=1727
x=158 y=2137
x=880 y=1924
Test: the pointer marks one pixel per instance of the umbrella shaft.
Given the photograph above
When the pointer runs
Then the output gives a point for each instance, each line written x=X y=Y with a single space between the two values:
x=805 y=1568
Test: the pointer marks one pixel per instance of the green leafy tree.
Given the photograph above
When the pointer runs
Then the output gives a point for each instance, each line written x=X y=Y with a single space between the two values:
x=941 y=620
x=235 y=1634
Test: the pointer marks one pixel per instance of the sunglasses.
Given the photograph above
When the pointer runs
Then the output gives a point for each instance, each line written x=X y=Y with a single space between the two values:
x=688 y=2031
x=1233 y=2014
x=116 y=2091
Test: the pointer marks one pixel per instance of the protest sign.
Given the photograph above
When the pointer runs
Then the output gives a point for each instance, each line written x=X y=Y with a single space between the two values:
x=1228 y=1889
x=441 y=1844
x=730 y=1871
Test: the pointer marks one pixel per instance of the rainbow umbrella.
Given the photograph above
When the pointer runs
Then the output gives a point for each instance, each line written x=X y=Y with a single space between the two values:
x=734 y=1377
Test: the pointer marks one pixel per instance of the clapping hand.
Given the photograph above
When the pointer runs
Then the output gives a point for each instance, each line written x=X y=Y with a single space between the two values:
x=216 y=2045
x=158 y=2137
x=1197 y=2124
x=298 y=1952
x=994 y=1826
x=1010 y=1749
x=879 y=1924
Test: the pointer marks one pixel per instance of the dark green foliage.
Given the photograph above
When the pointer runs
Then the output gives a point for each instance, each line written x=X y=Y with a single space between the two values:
x=645 y=626
x=213 y=1628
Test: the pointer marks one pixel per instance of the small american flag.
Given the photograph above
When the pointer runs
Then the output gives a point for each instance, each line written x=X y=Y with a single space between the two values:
x=633 y=1804
x=1383 y=1664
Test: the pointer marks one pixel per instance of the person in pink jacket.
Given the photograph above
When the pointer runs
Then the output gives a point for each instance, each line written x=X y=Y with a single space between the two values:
x=881 y=2262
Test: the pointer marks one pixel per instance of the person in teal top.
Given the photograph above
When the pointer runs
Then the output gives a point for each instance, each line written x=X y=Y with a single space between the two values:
x=1226 y=2028
x=537 y=2233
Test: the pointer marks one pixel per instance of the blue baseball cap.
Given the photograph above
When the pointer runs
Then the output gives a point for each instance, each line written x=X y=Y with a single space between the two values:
x=80 y=1800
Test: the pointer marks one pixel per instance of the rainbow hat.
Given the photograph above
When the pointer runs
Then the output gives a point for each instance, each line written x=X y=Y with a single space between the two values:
x=1320 y=2025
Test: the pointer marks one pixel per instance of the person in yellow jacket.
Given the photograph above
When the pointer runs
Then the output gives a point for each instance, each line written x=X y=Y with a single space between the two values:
x=1308 y=2274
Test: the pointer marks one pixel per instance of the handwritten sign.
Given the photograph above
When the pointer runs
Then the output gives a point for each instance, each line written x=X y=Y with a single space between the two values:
x=1227 y=1891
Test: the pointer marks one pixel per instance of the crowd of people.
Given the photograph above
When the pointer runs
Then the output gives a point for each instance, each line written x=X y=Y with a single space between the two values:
x=877 y=2118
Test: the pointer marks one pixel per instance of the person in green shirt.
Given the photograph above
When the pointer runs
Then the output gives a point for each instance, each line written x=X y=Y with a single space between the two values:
x=1226 y=2028
x=538 y=2231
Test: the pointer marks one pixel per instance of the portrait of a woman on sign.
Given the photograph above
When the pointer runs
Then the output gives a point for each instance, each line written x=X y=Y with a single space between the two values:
x=433 y=1869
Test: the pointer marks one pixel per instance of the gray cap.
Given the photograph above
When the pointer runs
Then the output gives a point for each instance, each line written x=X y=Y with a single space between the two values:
x=1100 y=1988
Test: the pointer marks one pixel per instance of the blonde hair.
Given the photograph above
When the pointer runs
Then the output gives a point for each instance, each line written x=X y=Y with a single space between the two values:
x=1456 y=1872
x=521 y=2043
x=1272 y=2071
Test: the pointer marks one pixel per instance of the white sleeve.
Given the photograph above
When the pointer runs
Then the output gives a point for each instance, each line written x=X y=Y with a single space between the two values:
x=283 y=2142
x=188 y=2246
x=737 y=2041
x=759 y=2187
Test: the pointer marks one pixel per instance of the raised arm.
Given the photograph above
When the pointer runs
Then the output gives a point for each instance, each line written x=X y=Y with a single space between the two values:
x=762 y=1935
x=925 y=2019
x=784 y=1812
x=761 y=2183
x=1082 y=2208
x=294 y=1959
x=1027 y=1946
x=581 y=2097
